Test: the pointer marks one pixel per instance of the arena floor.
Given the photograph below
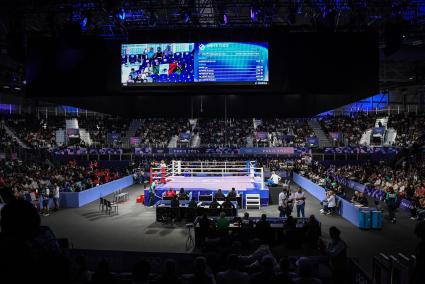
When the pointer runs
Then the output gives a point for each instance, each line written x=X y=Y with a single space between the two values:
x=135 y=229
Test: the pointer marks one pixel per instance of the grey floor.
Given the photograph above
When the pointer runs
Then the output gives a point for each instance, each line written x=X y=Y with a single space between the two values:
x=135 y=229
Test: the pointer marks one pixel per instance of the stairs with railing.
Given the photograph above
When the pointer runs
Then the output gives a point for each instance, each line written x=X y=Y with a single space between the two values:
x=131 y=132
x=324 y=140
x=12 y=134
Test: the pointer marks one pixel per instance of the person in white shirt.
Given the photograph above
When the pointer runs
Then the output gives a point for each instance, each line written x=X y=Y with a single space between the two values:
x=56 y=195
x=299 y=197
x=283 y=202
x=45 y=200
x=273 y=180
x=330 y=204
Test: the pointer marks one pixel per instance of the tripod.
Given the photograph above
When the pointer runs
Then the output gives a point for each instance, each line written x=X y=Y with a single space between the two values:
x=190 y=242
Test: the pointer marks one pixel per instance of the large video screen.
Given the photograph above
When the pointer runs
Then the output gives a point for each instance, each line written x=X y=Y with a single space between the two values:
x=226 y=63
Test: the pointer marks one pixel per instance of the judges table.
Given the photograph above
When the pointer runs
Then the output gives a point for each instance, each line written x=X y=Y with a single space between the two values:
x=276 y=225
x=164 y=210
x=203 y=195
x=347 y=210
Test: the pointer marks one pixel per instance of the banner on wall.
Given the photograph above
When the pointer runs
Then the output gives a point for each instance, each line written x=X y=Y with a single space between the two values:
x=378 y=131
x=185 y=136
x=312 y=141
x=221 y=150
x=262 y=136
x=267 y=151
x=361 y=150
x=110 y=151
x=335 y=135
x=134 y=141
x=86 y=151
x=406 y=204
x=113 y=137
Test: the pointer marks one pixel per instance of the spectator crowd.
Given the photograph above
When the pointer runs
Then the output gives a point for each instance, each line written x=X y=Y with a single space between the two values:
x=38 y=183
x=351 y=127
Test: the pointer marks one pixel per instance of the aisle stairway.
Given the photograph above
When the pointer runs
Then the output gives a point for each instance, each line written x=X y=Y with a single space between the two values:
x=14 y=136
x=249 y=141
x=365 y=139
x=196 y=141
x=324 y=140
x=85 y=136
x=131 y=132
x=173 y=141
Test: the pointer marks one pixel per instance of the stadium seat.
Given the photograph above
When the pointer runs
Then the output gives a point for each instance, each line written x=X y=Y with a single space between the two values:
x=110 y=206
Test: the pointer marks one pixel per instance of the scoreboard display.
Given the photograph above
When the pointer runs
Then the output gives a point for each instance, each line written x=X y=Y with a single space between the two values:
x=225 y=63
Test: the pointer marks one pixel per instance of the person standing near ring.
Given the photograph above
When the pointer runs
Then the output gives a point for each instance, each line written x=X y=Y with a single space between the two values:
x=299 y=197
x=283 y=202
x=391 y=200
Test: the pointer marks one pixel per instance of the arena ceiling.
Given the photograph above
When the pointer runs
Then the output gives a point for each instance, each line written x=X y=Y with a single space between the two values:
x=118 y=18
x=399 y=24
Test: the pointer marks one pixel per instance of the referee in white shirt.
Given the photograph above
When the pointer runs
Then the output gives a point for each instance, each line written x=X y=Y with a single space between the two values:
x=273 y=180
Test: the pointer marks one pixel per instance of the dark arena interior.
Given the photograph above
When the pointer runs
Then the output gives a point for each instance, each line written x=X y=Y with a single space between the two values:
x=183 y=141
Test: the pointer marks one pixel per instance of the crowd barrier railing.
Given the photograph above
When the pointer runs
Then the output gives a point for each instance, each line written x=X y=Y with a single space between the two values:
x=79 y=199
x=348 y=210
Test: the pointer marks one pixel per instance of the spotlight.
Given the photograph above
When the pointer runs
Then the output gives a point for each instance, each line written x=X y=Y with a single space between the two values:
x=120 y=15
x=83 y=23
x=255 y=10
x=222 y=13
x=222 y=18
x=225 y=19
x=186 y=15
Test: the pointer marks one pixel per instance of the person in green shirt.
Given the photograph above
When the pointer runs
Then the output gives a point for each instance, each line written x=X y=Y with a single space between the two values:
x=222 y=222
x=391 y=201
x=152 y=189
x=193 y=203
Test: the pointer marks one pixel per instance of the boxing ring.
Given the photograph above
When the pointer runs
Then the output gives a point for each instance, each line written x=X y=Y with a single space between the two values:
x=206 y=177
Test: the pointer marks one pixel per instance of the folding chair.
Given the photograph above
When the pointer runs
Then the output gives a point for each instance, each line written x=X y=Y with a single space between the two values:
x=101 y=204
x=110 y=206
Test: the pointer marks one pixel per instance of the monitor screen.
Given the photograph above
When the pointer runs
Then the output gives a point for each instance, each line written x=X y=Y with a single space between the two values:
x=225 y=63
